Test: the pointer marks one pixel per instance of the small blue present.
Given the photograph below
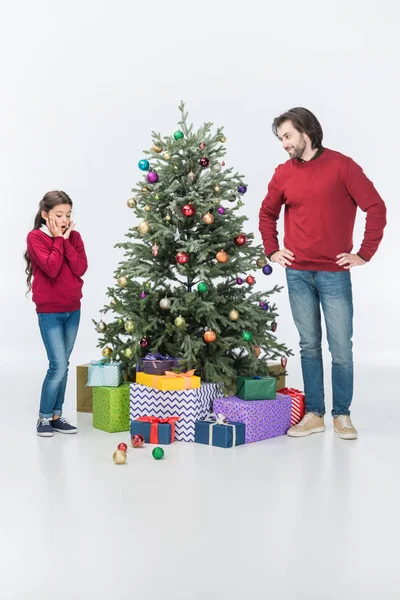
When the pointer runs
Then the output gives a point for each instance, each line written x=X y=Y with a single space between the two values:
x=155 y=430
x=215 y=430
x=104 y=374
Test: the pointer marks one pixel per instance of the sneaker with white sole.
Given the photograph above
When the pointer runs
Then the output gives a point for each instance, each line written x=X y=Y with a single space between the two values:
x=44 y=428
x=310 y=423
x=344 y=427
x=63 y=426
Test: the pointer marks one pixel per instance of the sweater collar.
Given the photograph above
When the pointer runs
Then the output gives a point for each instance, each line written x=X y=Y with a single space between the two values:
x=46 y=230
x=316 y=155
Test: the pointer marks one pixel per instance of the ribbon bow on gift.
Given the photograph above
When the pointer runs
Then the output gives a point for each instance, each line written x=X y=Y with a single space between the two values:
x=154 y=421
x=186 y=376
x=297 y=394
x=156 y=356
x=219 y=419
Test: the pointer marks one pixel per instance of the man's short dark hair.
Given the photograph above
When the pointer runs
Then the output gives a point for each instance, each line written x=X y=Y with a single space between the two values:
x=304 y=121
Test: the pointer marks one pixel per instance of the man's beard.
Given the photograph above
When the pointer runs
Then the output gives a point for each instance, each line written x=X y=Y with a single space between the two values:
x=298 y=150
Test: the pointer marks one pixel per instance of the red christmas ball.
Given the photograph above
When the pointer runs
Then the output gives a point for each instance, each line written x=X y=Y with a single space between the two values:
x=137 y=440
x=274 y=326
x=240 y=239
x=182 y=258
x=250 y=279
x=144 y=342
x=283 y=361
x=122 y=446
x=204 y=161
x=188 y=210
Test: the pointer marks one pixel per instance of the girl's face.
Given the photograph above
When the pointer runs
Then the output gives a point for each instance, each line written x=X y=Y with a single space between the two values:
x=61 y=214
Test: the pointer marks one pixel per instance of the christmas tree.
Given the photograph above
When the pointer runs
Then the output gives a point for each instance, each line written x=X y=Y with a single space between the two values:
x=186 y=285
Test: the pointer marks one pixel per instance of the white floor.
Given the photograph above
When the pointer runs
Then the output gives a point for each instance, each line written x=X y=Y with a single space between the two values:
x=313 y=518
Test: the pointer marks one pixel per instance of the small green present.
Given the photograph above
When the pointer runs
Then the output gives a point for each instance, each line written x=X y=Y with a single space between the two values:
x=256 y=388
x=111 y=408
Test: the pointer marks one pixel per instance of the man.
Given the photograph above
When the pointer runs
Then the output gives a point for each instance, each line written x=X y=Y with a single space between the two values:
x=320 y=190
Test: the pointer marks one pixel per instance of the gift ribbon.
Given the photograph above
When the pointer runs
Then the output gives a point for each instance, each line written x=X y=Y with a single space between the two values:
x=296 y=394
x=103 y=363
x=156 y=356
x=185 y=376
x=154 y=421
x=219 y=419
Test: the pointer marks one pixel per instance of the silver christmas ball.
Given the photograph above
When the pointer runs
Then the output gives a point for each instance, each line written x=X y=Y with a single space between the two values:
x=165 y=303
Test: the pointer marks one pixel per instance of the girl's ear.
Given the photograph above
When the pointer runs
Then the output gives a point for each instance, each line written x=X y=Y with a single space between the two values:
x=44 y=215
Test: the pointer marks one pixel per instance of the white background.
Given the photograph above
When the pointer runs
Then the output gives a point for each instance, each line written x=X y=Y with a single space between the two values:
x=83 y=84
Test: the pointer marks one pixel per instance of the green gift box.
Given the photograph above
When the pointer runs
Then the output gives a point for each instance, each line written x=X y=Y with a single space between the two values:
x=256 y=388
x=111 y=408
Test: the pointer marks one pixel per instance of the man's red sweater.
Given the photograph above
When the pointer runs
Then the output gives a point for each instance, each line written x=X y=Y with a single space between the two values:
x=321 y=198
x=57 y=266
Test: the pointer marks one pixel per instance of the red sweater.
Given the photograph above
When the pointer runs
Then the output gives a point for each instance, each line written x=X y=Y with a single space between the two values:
x=321 y=198
x=57 y=266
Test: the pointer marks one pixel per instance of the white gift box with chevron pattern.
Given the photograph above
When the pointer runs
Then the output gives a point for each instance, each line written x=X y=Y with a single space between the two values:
x=190 y=405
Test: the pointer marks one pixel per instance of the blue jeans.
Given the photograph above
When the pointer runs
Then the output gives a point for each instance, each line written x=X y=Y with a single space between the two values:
x=58 y=333
x=308 y=292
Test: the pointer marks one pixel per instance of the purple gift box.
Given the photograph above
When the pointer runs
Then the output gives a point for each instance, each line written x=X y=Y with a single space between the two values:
x=158 y=361
x=263 y=418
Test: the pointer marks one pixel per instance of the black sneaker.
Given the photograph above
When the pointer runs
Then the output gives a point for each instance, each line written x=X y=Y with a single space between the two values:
x=63 y=426
x=44 y=428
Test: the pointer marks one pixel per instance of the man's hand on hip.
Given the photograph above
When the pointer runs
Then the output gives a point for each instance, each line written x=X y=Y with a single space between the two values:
x=284 y=257
x=348 y=261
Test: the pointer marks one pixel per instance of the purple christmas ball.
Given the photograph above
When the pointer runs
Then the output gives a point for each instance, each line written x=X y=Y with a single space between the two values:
x=221 y=210
x=152 y=177
x=261 y=304
x=242 y=189
x=143 y=295
x=239 y=281
x=267 y=270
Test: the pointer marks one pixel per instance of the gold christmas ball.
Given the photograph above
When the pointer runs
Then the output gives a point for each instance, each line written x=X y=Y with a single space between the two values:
x=210 y=336
x=101 y=326
x=106 y=352
x=156 y=149
x=128 y=352
x=234 y=315
x=180 y=321
x=223 y=139
x=131 y=202
x=144 y=227
x=208 y=218
x=166 y=156
x=145 y=190
x=122 y=282
x=261 y=262
x=222 y=256
x=119 y=457
x=217 y=188
x=113 y=302
x=129 y=325
x=167 y=217
x=147 y=208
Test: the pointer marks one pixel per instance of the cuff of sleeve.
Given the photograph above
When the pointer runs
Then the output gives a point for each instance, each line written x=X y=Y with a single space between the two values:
x=271 y=253
x=358 y=254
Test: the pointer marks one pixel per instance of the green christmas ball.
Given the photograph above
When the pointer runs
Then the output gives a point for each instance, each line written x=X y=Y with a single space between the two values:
x=128 y=352
x=247 y=336
x=129 y=325
x=180 y=321
x=178 y=135
x=158 y=453
x=202 y=287
x=120 y=321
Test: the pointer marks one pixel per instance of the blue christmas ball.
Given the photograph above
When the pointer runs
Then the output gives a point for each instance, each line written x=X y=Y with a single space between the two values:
x=267 y=270
x=242 y=189
x=144 y=165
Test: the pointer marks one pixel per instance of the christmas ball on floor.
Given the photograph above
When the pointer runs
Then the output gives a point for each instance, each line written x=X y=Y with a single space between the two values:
x=119 y=457
x=122 y=446
x=158 y=453
x=137 y=440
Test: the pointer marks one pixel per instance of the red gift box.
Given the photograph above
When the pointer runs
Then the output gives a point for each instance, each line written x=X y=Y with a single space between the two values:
x=298 y=406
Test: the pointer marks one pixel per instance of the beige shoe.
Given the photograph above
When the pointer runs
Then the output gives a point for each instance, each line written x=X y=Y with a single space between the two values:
x=310 y=423
x=344 y=427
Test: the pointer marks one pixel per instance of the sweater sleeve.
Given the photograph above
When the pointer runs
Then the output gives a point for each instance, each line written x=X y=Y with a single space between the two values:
x=269 y=214
x=364 y=194
x=75 y=254
x=49 y=260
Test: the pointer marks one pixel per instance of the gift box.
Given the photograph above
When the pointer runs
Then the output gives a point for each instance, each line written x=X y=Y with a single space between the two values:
x=263 y=418
x=155 y=430
x=169 y=381
x=256 y=388
x=111 y=408
x=105 y=374
x=84 y=396
x=191 y=405
x=298 y=404
x=154 y=364
x=215 y=430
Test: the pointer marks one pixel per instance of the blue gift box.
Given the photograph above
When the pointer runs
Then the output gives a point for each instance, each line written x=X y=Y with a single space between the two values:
x=164 y=432
x=104 y=374
x=218 y=432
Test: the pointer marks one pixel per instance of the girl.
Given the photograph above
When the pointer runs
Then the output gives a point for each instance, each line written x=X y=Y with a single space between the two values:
x=56 y=259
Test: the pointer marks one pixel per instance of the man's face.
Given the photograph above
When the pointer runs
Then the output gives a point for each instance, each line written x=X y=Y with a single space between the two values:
x=292 y=140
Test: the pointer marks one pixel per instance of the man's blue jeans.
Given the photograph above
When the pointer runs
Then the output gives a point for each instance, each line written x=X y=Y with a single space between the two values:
x=58 y=333
x=308 y=292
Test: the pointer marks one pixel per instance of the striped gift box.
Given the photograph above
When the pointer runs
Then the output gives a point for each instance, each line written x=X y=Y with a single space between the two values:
x=298 y=408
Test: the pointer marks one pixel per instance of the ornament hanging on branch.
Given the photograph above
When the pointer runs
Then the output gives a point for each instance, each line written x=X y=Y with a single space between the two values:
x=216 y=167
x=188 y=210
x=154 y=249
x=156 y=149
x=191 y=176
x=222 y=139
x=242 y=189
x=239 y=281
x=210 y=336
x=165 y=303
x=221 y=210
x=250 y=280
x=180 y=321
x=143 y=227
x=202 y=146
x=240 y=239
x=106 y=352
x=144 y=342
x=131 y=202
x=128 y=352
x=101 y=327
x=122 y=282
x=261 y=262
x=144 y=165
x=129 y=325
x=208 y=218
x=178 y=135
x=257 y=351
x=166 y=156
x=233 y=315
x=274 y=326
x=182 y=258
x=202 y=287
x=247 y=336
x=152 y=177
x=283 y=362
x=204 y=161
x=222 y=256
x=267 y=270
